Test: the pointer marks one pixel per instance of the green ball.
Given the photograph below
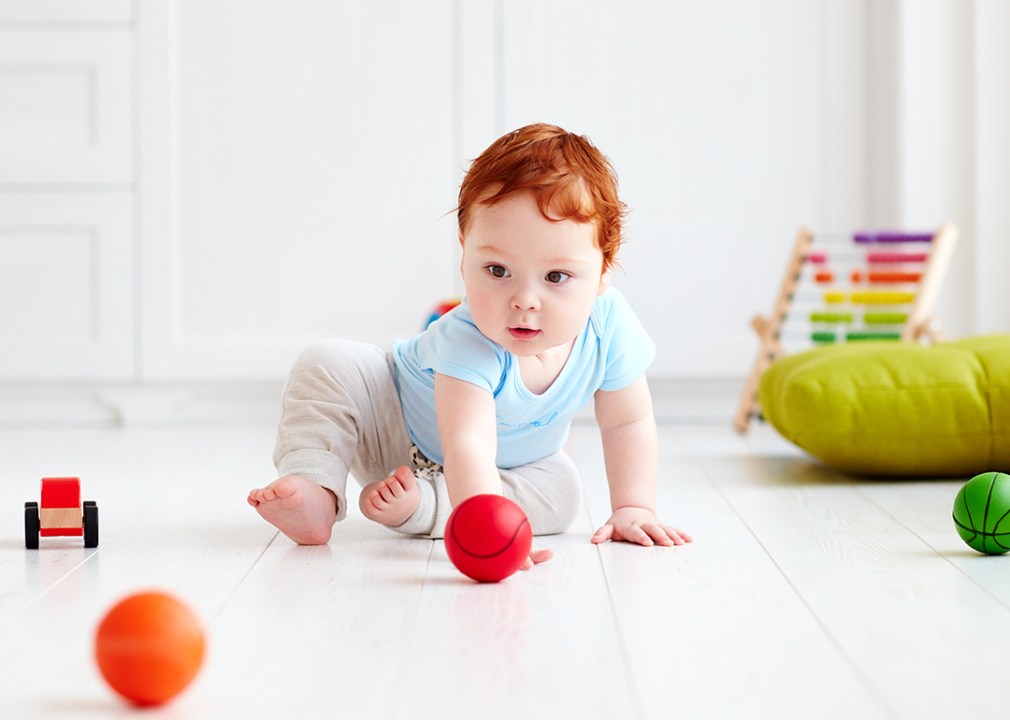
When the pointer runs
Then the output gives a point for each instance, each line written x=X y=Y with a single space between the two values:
x=982 y=513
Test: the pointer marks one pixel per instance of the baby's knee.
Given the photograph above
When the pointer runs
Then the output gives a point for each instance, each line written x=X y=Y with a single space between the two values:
x=325 y=355
x=329 y=365
x=558 y=491
x=555 y=521
x=568 y=502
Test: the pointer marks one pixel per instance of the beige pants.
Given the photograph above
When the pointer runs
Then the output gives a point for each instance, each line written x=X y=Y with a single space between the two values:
x=341 y=415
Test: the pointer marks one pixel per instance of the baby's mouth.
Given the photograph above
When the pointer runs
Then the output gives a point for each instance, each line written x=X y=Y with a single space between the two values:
x=520 y=333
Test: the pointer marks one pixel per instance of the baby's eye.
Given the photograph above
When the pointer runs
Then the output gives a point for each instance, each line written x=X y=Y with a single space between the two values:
x=498 y=271
x=555 y=277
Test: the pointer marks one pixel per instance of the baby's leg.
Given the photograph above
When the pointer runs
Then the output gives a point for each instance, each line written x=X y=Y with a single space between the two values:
x=549 y=491
x=301 y=509
x=340 y=409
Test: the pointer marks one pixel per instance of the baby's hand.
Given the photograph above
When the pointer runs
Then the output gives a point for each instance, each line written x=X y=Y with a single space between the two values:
x=640 y=526
x=537 y=556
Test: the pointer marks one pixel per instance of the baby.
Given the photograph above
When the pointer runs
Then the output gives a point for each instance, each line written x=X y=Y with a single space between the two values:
x=482 y=401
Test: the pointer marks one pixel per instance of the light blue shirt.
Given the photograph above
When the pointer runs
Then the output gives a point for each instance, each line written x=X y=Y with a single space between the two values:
x=610 y=353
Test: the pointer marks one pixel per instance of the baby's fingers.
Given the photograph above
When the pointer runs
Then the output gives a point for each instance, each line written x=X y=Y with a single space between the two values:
x=657 y=534
x=674 y=533
x=603 y=534
x=661 y=535
x=537 y=556
x=665 y=535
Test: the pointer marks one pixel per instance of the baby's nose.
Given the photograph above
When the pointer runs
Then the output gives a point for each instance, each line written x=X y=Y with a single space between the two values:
x=526 y=299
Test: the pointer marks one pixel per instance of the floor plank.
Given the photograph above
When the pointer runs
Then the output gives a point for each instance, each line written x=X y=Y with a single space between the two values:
x=925 y=508
x=541 y=644
x=713 y=629
x=323 y=629
x=923 y=634
x=170 y=522
x=806 y=594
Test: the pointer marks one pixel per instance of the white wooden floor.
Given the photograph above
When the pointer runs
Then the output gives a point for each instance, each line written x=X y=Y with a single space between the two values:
x=806 y=595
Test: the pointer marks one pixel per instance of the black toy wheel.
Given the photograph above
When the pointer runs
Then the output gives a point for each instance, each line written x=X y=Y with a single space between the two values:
x=90 y=524
x=32 y=525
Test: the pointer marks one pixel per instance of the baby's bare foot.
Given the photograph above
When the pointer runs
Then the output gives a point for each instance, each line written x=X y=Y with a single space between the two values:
x=299 y=508
x=392 y=501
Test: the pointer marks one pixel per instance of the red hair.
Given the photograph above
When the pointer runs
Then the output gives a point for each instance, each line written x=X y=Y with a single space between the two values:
x=569 y=178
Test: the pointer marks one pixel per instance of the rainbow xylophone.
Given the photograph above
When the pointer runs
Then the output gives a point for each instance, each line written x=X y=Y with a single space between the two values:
x=879 y=285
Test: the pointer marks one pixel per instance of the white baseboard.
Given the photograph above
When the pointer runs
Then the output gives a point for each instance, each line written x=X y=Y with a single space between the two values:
x=139 y=405
x=676 y=400
x=703 y=400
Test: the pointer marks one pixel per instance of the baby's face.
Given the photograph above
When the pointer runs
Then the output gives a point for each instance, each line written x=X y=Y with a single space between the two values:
x=530 y=283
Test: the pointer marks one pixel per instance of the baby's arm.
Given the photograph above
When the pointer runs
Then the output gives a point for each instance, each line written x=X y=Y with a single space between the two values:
x=630 y=452
x=466 y=426
x=468 y=429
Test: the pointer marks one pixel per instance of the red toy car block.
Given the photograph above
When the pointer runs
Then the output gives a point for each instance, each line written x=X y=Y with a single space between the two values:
x=61 y=507
x=61 y=514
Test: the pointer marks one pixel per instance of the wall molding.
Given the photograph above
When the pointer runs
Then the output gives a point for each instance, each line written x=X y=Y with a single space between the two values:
x=138 y=405
x=134 y=405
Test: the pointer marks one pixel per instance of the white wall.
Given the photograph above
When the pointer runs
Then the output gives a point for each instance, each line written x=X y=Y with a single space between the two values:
x=730 y=125
x=218 y=182
x=991 y=171
x=296 y=163
x=952 y=157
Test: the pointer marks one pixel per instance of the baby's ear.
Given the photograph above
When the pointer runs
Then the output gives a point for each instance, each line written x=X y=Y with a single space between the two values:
x=604 y=282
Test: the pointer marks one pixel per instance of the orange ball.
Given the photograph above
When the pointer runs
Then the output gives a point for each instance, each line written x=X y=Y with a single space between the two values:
x=149 y=647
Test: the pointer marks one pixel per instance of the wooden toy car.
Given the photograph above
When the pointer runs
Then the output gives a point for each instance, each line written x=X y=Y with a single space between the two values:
x=62 y=514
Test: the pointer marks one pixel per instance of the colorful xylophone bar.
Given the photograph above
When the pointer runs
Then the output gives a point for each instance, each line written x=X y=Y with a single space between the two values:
x=854 y=336
x=870 y=298
x=868 y=318
x=889 y=236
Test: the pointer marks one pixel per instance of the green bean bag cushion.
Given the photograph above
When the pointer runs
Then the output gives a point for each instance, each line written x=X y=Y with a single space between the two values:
x=896 y=409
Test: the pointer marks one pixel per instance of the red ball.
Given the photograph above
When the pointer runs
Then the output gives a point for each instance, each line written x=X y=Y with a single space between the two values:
x=488 y=537
x=149 y=647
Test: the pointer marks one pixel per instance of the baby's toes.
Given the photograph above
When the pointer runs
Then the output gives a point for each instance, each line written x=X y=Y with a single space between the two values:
x=394 y=487
x=376 y=500
x=404 y=476
x=383 y=492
